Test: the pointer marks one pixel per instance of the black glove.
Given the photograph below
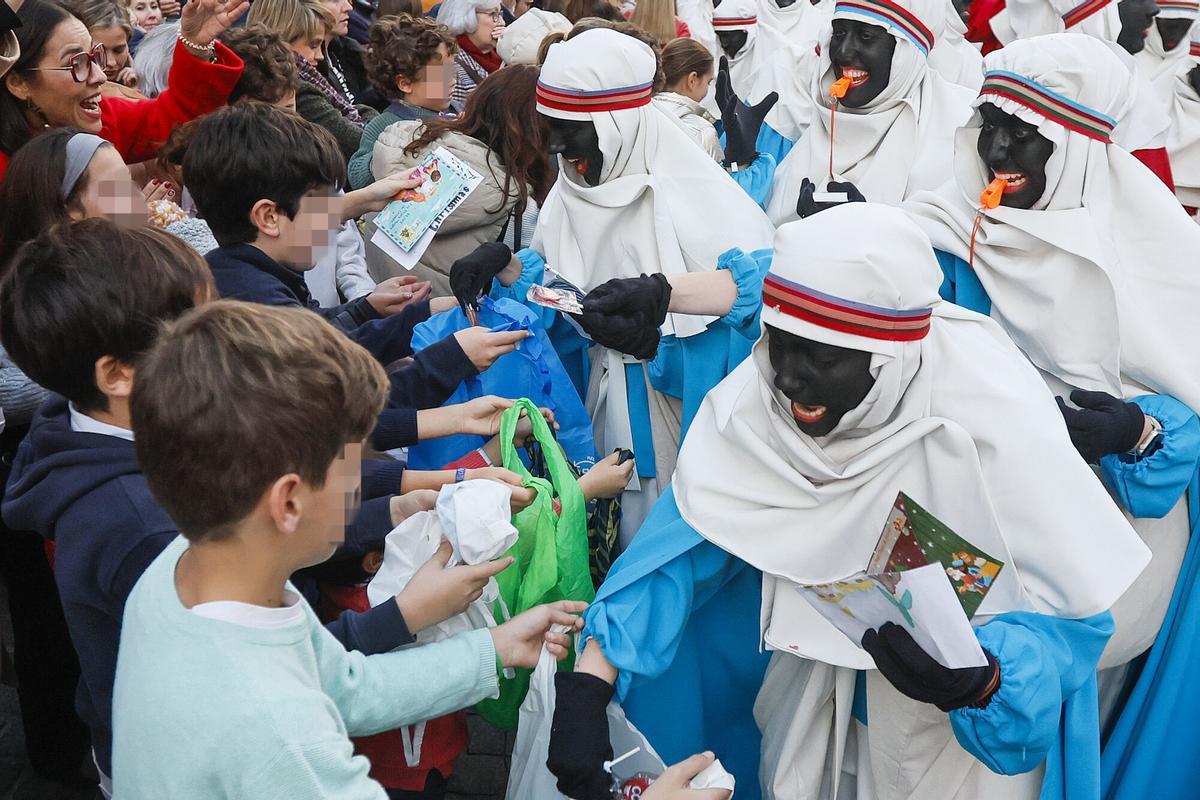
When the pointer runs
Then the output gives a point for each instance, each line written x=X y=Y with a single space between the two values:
x=579 y=743
x=806 y=206
x=918 y=675
x=741 y=122
x=471 y=276
x=625 y=314
x=1102 y=425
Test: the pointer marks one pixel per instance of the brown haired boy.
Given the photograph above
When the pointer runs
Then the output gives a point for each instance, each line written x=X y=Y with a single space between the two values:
x=227 y=686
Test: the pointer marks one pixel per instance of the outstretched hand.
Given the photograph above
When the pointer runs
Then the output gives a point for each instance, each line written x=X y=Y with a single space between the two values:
x=741 y=122
x=624 y=314
x=203 y=21
x=1102 y=424
x=807 y=204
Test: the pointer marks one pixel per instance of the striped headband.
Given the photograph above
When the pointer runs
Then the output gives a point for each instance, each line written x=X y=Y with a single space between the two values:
x=1189 y=7
x=1082 y=11
x=893 y=15
x=1194 y=49
x=734 y=22
x=593 y=101
x=1051 y=105
x=843 y=315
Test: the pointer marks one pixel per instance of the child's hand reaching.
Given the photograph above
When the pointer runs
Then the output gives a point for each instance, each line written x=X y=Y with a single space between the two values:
x=522 y=497
x=403 y=506
x=396 y=294
x=437 y=592
x=519 y=641
x=484 y=347
x=606 y=479
x=673 y=784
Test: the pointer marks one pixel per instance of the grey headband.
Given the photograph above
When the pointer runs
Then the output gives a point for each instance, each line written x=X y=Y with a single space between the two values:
x=80 y=149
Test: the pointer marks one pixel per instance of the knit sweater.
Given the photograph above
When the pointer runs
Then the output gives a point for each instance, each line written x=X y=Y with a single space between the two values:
x=360 y=163
x=206 y=709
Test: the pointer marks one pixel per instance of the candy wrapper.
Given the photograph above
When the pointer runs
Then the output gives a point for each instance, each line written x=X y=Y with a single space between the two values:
x=557 y=299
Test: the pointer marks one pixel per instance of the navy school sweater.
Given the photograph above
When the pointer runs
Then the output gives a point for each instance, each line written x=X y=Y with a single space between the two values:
x=86 y=493
x=243 y=272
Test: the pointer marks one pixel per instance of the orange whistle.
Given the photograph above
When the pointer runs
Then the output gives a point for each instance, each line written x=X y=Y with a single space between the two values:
x=839 y=88
x=993 y=193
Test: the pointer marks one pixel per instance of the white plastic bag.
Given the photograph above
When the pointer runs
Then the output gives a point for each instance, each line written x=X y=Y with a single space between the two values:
x=529 y=779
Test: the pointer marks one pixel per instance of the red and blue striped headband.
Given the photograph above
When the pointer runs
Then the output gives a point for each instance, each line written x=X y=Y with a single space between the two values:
x=1051 y=105
x=1190 y=7
x=893 y=15
x=847 y=316
x=1194 y=49
x=1082 y=11
x=594 y=101
x=734 y=22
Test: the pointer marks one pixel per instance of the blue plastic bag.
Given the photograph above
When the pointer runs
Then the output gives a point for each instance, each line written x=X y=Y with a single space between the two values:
x=533 y=370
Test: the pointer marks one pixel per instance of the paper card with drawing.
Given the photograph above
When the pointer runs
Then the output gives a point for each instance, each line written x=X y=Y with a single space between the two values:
x=920 y=600
x=446 y=181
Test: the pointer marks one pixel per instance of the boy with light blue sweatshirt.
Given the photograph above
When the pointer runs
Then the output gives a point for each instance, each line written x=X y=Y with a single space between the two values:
x=227 y=685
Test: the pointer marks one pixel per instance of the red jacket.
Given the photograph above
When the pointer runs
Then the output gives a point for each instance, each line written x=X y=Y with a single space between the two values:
x=137 y=128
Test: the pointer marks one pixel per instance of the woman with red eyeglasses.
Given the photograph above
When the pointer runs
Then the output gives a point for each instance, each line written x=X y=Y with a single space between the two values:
x=56 y=80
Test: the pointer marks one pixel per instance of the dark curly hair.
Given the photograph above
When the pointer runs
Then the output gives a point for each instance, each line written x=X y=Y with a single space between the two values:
x=269 y=68
x=399 y=47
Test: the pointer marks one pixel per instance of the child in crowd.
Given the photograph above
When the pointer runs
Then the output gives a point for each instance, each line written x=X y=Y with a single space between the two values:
x=215 y=640
x=411 y=62
x=78 y=309
x=264 y=180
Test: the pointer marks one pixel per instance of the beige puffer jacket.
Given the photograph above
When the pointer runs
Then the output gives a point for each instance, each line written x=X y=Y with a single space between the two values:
x=479 y=219
x=693 y=119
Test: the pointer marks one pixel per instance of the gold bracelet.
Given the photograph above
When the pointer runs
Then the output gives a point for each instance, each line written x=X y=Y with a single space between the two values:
x=210 y=48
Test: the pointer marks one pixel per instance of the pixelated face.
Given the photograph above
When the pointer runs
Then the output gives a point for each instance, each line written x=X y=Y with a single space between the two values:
x=861 y=52
x=732 y=42
x=311 y=234
x=111 y=193
x=1136 y=18
x=146 y=14
x=578 y=143
x=116 y=49
x=823 y=382
x=434 y=87
x=1013 y=149
x=330 y=509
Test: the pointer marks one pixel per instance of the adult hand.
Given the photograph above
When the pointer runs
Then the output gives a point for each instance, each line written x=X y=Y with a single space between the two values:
x=204 y=20
x=519 y=641
x=579 y=743
x=806 y=206
x=741 y=122
x=625 y=314
x=396 y=294
x=471 y=276
x=169 y=8
x=673 y=784
x=607 y=478
x=158 y=190
x=483 y=347
x=437 y=592
x=918 y=675
x=403 y=506
x=127 y=77
x=1102 y=424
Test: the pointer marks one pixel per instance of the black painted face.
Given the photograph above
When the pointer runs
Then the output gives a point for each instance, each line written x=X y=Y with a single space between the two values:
x=732 y=41
x=1194 y=79
x=578 y=143
x=784 y=3
x=862 y=52
x=823 y=382
x=1014 y=150
x=1172 y=31
x=1136 y=18
x=963 y=7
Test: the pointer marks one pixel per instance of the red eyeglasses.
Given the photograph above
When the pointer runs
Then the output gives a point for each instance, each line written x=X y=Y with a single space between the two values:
x=80 y=64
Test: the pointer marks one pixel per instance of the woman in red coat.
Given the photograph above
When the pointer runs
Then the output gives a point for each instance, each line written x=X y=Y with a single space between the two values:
x=56 y=80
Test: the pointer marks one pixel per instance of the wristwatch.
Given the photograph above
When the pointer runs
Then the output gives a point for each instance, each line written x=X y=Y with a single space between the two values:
x=1149 y=438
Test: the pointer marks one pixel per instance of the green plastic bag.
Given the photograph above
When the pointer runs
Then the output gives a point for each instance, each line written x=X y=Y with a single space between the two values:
x=551 y=555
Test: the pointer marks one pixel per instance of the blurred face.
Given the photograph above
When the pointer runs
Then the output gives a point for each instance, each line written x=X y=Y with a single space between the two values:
x=488 y=28
x=305 y=238
x=61 y=100
x=116 y=49
x=111 y=193
x=310 y=49
x=146 y=14
x=863 y=53
x=1015 y=151
x=433 y=89
x=1136 y=18
x=823 y=382
x=1173 y=31
x=328 y=510
x=695 y=86
x=340 y=9
x=732 y=42
x=579 y=145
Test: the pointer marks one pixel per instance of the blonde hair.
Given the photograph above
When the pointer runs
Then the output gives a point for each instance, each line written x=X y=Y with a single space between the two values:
x=657 y=18
x=294 y=20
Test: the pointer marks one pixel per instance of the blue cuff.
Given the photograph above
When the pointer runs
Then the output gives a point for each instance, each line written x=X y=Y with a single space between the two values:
x=381 y=477
x=1150 y=486
x=757 y=179
x=378 y=630
x=748 y=271
x=395 y=428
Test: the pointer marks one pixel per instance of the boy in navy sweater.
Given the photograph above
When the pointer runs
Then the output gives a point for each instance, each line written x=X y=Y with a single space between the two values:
x=265 y=181
x=78 y=308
